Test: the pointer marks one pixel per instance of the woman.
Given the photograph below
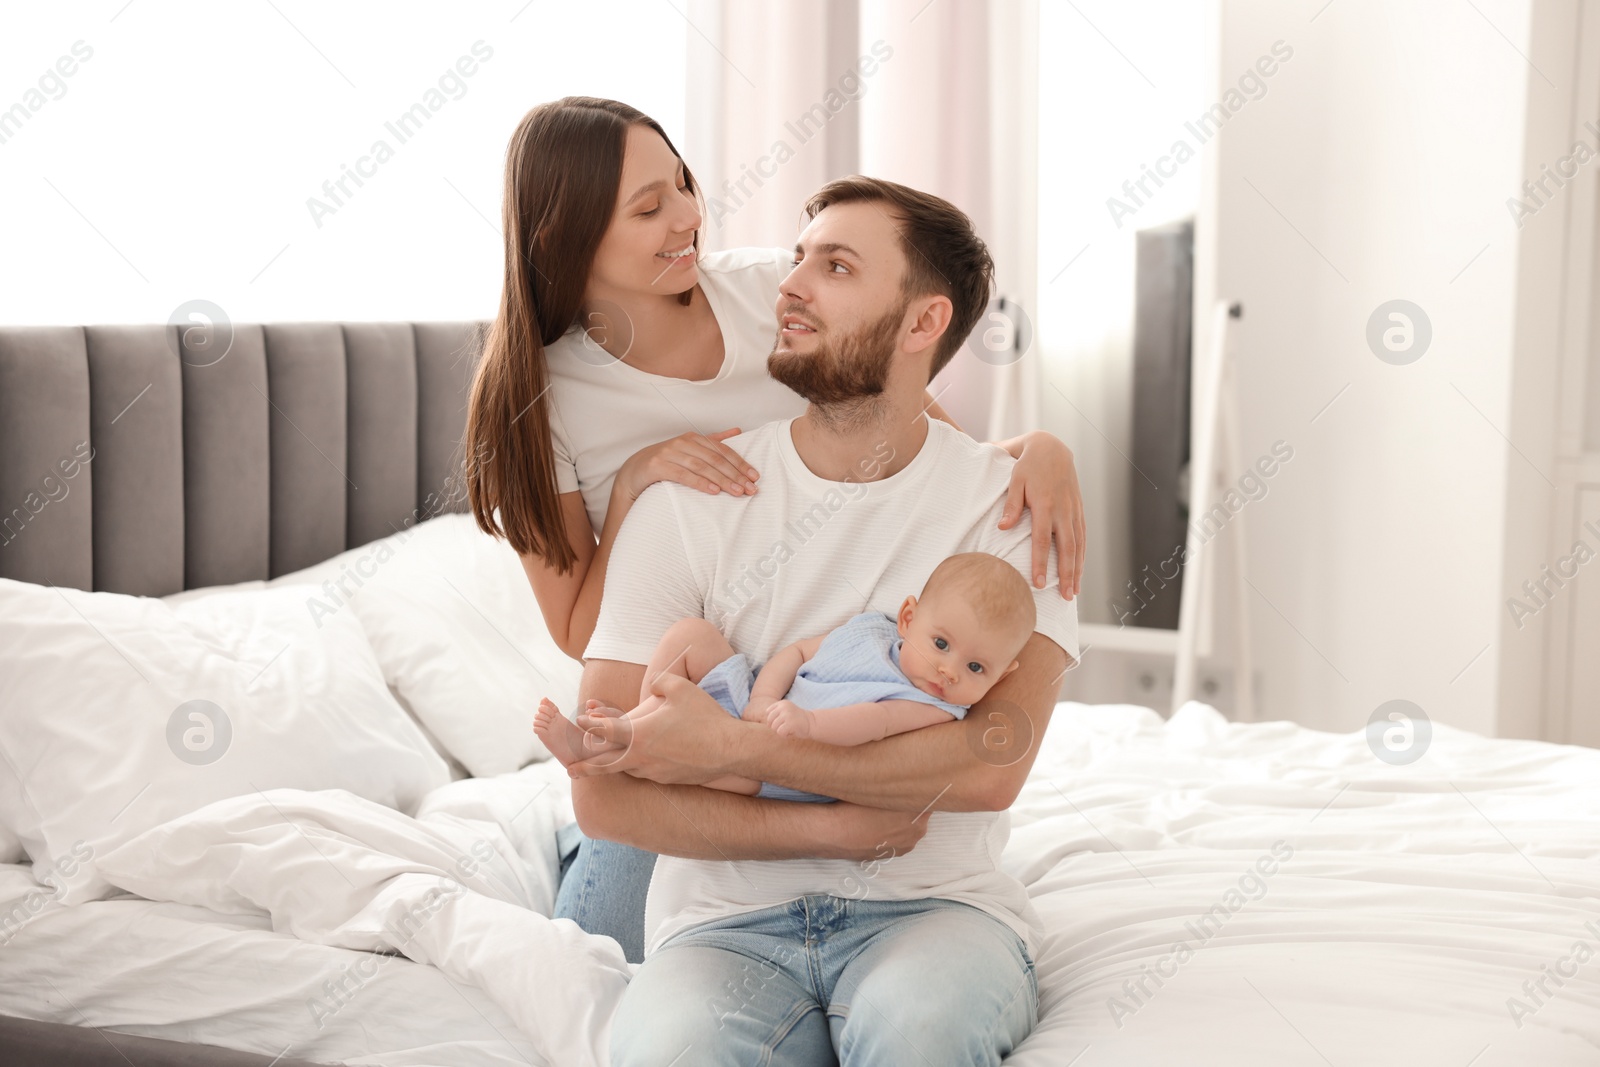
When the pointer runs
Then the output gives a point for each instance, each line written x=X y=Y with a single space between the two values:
x=619 y=358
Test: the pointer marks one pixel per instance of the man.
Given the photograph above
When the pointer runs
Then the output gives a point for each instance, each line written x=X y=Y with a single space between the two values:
x=790 y=933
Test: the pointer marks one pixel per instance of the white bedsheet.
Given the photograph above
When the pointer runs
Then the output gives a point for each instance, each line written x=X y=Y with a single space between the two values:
x=1416 y=902
x=1405 y=909
x=281 y=885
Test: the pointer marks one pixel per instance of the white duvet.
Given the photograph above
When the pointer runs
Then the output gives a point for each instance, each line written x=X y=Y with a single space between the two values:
x=1214 y=893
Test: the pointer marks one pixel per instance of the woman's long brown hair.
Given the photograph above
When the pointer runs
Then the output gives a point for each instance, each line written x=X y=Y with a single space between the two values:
x=563 y=169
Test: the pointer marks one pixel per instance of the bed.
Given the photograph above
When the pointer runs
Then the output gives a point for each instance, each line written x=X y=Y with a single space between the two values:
x=264 y=694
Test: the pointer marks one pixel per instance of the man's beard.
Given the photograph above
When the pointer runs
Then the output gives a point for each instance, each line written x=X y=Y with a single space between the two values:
x=842 y=374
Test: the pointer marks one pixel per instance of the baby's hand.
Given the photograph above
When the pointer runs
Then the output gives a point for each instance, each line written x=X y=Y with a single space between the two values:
x=788 y=719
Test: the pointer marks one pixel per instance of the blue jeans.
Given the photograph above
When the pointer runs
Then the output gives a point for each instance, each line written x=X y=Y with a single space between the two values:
x=603 y=887
x=823 y=980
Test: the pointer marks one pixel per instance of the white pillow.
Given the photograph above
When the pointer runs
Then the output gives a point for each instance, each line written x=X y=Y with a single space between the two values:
x=458 y=632
x=118 y=713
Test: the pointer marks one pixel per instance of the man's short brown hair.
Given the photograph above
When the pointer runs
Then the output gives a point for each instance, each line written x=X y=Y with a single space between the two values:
x=944 y=254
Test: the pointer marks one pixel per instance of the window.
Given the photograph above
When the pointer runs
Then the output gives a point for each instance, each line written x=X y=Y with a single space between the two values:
x=347 y=164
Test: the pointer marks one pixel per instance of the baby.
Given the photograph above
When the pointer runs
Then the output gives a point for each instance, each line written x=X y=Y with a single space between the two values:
x=870 y=677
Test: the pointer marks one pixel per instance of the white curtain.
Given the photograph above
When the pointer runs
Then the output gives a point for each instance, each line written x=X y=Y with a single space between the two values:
x=773 y=111
x=948 y=104
x=1029 y=117
x=1117 y=86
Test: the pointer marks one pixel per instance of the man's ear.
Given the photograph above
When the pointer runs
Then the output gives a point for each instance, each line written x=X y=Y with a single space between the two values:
x=930 y=318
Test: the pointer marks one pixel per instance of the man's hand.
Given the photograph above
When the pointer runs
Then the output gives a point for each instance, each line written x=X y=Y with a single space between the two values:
x=978 y=764
x=682 y=741
x=756 y=708
x=867 y=834
x=788 y=719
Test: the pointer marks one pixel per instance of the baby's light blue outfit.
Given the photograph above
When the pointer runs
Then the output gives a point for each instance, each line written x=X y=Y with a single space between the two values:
x=857 y=663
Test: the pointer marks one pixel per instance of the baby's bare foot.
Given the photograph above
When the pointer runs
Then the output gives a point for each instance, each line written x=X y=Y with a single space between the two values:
x=562 y=737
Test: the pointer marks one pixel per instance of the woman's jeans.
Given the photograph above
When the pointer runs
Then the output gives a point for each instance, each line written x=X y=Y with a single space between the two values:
x=825 y=979
x=603 y=887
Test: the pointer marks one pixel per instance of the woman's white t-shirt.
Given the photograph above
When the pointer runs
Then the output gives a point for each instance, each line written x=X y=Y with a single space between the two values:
x=604 y=410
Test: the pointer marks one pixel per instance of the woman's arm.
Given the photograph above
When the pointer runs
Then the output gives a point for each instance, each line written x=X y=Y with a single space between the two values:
x=1014 y=447
x=1045 y=481
x=570 y=602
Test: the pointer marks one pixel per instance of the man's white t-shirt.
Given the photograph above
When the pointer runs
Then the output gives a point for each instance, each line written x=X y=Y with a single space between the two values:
x=800 y=557
x=604 y=410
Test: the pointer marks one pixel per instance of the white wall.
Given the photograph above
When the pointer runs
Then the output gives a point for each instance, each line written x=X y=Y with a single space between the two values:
x=1547 y=308
x=1376 y=168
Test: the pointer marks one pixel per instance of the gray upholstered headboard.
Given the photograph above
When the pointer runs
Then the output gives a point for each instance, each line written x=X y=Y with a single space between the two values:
x=134 y=460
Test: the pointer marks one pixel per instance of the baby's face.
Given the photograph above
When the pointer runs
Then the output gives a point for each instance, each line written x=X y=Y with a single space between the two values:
x=947 y=654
